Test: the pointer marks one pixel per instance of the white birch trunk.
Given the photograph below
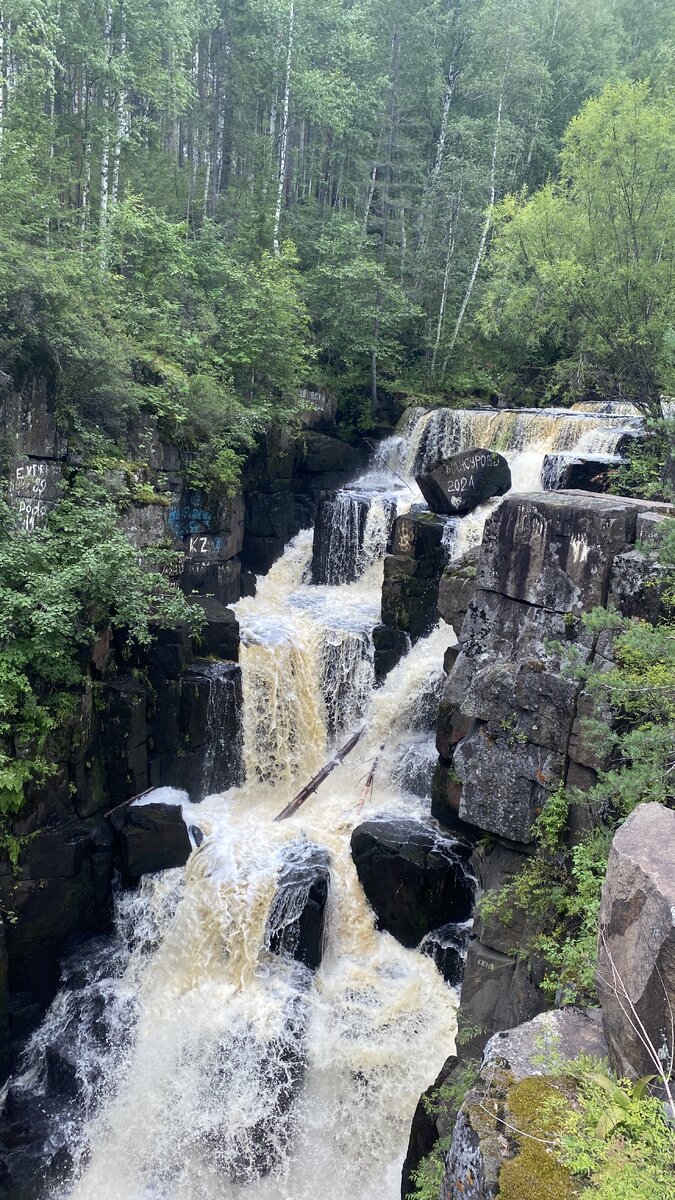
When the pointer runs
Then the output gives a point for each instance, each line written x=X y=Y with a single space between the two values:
x=283 y=151
x=371 y=190
x=105 y=152
x=454 y=213
x=488 y=216
x=120 y=119
x=2 y=80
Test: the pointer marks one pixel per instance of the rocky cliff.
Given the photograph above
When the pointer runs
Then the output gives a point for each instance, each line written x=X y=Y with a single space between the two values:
x=512 y=727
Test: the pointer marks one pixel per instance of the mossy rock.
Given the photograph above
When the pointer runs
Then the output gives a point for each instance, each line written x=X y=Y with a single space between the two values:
x=535 y=1173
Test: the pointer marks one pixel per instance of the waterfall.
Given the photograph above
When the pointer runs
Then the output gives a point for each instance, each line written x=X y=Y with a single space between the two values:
x=221 y=758
x=190 y=1056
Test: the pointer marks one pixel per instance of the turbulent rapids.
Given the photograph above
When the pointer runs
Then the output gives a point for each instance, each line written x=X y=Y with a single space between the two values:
x=201 y=1063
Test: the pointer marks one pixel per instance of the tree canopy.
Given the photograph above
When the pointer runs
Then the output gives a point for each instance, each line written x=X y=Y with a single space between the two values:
x=276 y=191
x=581 y=275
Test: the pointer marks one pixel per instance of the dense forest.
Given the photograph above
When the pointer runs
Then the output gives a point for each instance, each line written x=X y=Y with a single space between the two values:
x=205 y=205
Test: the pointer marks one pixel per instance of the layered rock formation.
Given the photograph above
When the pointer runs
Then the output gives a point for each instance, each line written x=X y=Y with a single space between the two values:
x=512 y=727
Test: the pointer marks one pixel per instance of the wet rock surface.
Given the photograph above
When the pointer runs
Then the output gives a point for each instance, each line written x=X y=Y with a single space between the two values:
x=149 y=838
x=458 y=484
x=415 y=879
x=295 y=925
x=412 y=575
x=456 y=588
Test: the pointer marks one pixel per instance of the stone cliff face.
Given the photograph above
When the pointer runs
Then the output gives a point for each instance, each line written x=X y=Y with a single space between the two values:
x=511 y=724
x=168 y=715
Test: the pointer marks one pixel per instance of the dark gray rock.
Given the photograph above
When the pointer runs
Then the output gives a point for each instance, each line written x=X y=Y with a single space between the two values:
x=456 y=588
x=35 y=485
x=412 y=575
x=555 y=550
x=498 y=992
x=390 y=645
x=636 y=962
x=321 y=409
x=209 y=577
x=5 y=1042
x=541 y=1046
x=219 y=635
x=319 y=454
x=415 y=879
x=591 y=472
x=447 y=947
x=456 y=485
x=28 y=421
x=497 y=867
x=506 y=781
x=638 y=587
x=295 y=925
x=149 y=838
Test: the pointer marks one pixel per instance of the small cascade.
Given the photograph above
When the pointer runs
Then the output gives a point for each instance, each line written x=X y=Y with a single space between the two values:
x=222 y=755
x=347 y=673
x=338 y=538
x=441 y=432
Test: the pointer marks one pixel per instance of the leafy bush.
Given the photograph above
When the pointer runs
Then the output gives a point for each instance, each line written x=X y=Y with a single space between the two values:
x=59 y=587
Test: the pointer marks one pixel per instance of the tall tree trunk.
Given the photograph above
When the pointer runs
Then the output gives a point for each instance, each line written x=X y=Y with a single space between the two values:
x=120 y=115
x=446 y=280
x=3 y=73
x=490 y=211
x=385 y=213
x=86 y=165
x=283 y=150
x=105 y=150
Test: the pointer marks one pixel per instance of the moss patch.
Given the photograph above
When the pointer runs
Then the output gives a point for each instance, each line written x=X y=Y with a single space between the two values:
x=535 y=1173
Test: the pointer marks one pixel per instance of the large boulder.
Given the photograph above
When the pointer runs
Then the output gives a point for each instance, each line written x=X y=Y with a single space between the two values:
x=149 y=838
x=415 y=879
x=590 y=472
x=456 y=485
x=295 y=924
x=636 y=964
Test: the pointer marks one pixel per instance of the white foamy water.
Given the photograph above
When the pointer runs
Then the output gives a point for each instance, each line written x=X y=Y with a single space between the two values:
x=205 y=1066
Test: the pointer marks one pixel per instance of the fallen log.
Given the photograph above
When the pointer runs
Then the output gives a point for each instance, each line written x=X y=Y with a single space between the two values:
x=129 y=802
x=318 y=779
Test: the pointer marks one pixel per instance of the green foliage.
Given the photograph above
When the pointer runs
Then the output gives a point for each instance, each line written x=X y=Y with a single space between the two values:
x=643 y=474
x=616 y=1141
x=59 y=587
x=581 y=272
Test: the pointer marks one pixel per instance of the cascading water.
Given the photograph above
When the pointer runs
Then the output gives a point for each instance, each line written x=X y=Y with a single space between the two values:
x=184 y=1059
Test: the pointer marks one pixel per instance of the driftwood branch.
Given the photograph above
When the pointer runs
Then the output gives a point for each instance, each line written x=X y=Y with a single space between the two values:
x=127 y=803
x=318 y=779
